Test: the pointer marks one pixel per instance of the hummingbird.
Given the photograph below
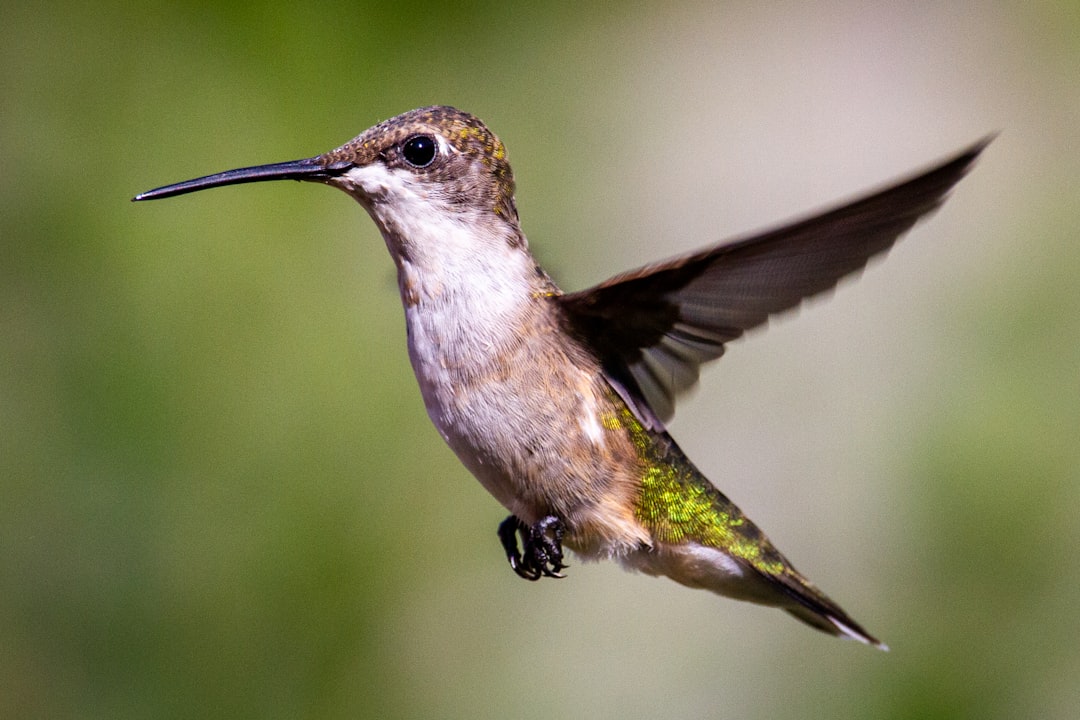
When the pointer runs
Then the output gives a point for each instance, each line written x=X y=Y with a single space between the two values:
x=558 y=402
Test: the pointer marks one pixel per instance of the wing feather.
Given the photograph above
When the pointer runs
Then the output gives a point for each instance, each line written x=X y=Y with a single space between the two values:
x=655 y=326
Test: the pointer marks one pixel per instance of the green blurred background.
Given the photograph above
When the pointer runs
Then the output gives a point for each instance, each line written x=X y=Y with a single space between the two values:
x=220 y=496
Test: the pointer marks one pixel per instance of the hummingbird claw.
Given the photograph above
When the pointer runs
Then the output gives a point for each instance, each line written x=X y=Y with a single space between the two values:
x=508 y=530
x=541 y=554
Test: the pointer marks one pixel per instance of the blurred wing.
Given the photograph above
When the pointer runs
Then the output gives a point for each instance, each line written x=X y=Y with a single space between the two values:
x=654 y=326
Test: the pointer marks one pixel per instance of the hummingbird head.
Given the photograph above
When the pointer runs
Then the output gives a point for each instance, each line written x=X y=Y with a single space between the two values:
x=446 y=158
x=431 y=161
x=438 y=185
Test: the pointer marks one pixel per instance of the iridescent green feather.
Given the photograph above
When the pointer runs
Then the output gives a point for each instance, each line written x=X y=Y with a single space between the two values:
x=678 y=504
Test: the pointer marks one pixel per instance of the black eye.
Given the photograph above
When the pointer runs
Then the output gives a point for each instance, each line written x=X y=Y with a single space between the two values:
x=419 y=150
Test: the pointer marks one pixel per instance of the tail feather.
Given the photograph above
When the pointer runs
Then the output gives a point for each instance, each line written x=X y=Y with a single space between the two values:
x=817 y=610
x=702 y=540
x=777 y=584
x=835 y=622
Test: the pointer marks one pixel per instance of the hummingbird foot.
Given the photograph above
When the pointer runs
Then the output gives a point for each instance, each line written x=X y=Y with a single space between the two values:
x=541 y=554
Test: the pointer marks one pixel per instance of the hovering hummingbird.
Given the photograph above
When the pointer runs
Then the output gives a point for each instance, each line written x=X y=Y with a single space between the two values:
x=557 y=402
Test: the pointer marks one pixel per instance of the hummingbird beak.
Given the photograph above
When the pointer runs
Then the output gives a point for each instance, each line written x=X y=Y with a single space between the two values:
x=312 y=169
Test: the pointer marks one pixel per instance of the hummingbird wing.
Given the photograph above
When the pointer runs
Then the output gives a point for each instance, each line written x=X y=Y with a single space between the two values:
x=653 y=327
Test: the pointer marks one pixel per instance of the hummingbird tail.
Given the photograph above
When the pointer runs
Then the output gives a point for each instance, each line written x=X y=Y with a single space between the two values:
x=710 y=568
x=841 y=626
x=807 y=603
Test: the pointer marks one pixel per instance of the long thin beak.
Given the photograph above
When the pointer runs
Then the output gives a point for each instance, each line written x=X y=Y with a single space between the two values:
x=306 y=169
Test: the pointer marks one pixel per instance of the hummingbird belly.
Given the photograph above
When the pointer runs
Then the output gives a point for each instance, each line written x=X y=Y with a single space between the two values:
x=526 y=413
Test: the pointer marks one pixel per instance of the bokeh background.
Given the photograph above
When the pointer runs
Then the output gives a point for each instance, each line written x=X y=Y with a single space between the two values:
x=220 y=496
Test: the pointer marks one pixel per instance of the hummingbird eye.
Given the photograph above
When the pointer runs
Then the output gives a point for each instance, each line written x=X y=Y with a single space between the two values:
x=419 y=150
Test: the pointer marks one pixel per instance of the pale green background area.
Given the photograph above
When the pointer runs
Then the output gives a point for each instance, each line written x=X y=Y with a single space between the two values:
x=220 y=496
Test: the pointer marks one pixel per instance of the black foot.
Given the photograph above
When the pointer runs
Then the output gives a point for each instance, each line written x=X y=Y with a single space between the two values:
x=541 y=554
